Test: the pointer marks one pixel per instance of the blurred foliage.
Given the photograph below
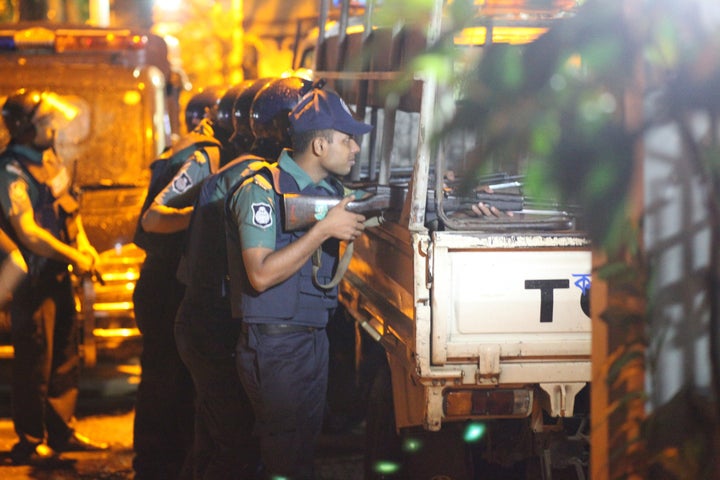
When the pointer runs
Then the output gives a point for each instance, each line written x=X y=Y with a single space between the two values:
x=560 y=103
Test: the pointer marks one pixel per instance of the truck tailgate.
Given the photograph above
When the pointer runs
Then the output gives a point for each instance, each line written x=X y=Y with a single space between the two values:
x=518 y=299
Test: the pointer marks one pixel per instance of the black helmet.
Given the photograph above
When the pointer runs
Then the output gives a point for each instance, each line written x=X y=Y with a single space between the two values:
x=271 y=106
x=199 y=103
x=241 y=111
x=224 y=117
x=18 y=111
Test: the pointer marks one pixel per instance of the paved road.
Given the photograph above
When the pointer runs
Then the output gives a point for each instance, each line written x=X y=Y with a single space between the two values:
x=105 y=413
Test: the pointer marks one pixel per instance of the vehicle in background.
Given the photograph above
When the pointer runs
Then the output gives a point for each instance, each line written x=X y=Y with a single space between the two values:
x=478 y=329
x=122 y=81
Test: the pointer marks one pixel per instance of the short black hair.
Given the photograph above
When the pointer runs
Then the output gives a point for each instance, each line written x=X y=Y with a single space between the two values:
x=301 y=141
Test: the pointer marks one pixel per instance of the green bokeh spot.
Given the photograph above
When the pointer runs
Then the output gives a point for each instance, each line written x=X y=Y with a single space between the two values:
x=386 y=468
x=474 y=432
x=412 y=445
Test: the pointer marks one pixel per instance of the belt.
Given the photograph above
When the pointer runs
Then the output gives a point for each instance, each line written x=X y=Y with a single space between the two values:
x=278 y=328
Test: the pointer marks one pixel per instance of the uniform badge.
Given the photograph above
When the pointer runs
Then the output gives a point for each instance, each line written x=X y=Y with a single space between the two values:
x=182 y=183
x=262 y=215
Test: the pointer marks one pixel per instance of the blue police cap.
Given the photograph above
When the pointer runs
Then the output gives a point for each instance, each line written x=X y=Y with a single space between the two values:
x=322 y=109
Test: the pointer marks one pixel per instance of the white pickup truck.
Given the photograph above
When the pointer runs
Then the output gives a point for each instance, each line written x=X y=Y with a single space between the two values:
x=483 y=323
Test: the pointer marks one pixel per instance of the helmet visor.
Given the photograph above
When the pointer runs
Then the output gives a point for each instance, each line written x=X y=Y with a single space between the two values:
x=69 y=116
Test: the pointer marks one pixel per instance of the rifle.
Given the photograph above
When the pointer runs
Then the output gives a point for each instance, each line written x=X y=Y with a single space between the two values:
x=301 y=211
x=505 y=202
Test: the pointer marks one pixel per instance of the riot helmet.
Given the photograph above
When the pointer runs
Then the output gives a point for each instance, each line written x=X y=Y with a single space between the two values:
x=224 y=117
x=269 y=114
x=242 y=133
x=200 y=105
x=18 y=112
x=27 y=112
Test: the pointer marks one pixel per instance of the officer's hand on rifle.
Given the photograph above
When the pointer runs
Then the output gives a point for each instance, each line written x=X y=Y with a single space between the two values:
x=342 y=224
x=84 y=263
x=481 y=209
x=484 y=210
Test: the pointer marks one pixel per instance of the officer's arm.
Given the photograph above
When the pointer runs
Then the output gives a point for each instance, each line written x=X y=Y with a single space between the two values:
x=12 y=269
x=266 y=267
x=163 y=219
x=171 y=209
x=83 y=242
x=37 y=239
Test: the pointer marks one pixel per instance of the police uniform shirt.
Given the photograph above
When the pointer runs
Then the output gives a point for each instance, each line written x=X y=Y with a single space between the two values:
x=15 y=189
x=191 y=174
x=256 y=202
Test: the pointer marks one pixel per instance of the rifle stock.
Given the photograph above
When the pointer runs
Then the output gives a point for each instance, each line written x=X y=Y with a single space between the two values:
x=302 y=211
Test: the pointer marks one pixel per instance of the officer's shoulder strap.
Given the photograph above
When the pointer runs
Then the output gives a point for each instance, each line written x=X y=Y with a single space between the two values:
x=188 y=144
x=264 y=174
x=212 y=154
x=253 y=172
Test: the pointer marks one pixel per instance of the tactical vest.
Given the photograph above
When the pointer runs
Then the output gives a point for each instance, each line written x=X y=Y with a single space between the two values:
x=55 y=215
x=283 y=301
x=167 y=245
x=204 y=268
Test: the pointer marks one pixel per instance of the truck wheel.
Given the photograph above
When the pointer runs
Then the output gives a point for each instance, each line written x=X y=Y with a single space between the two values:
x=383 y=454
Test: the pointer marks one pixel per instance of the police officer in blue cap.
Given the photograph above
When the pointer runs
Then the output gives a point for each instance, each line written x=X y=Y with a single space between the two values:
x=283 y=350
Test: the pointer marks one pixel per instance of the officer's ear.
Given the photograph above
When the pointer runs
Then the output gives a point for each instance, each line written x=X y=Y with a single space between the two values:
x=319 y=145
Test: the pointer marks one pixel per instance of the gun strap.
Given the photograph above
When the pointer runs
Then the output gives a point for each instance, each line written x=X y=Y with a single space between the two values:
x=344 y=262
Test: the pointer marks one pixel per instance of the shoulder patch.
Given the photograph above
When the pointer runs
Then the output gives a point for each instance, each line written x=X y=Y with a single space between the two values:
x=262 y=215
x=182 y=183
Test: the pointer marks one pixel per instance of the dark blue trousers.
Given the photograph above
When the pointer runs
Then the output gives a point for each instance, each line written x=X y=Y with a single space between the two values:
x=285 y=376
x=206 y=336
x=164 y=411
x=46 y=366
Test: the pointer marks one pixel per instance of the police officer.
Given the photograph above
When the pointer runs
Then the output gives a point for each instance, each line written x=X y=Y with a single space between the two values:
x=283 y=350
x=164 y=409
x=41 y=216
x=205 y=331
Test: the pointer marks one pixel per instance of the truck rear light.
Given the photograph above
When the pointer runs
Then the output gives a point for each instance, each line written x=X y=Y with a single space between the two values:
x=489 y=402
